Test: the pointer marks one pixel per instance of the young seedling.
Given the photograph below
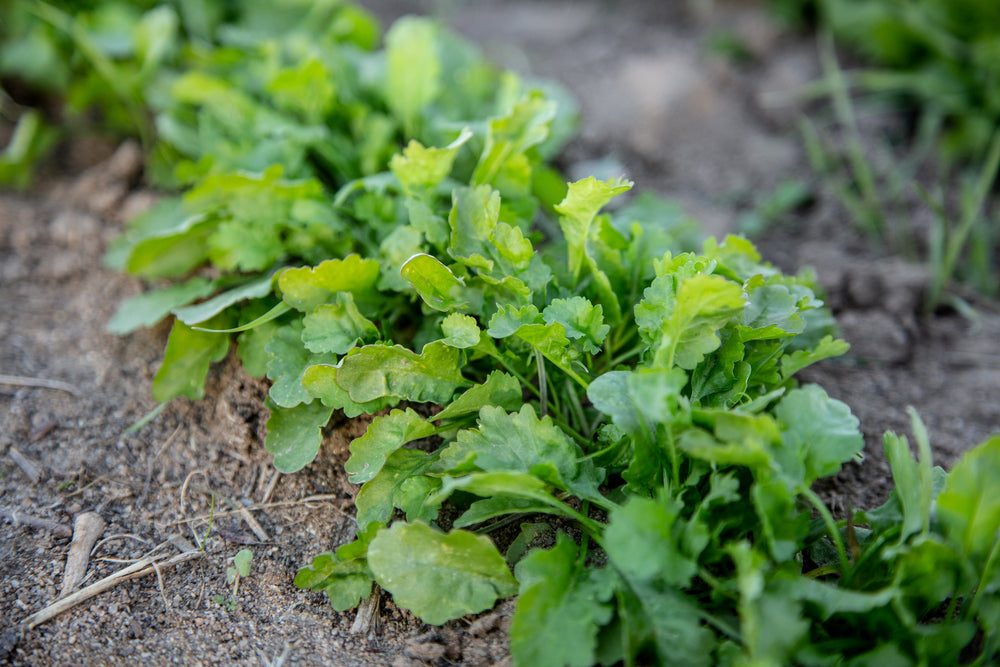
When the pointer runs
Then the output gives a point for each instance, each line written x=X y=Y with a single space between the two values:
x=235 y=574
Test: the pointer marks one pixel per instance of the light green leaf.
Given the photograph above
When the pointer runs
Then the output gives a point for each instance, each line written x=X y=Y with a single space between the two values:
x=559 y=610
x=827 y=347
x=460 y=331
x=473 y=218
x=420 y=167
x=969 y=507
x=305 y=288
x=336 y=327
x=503 y=160
x=584 y=199
x=521 y=442
x=499 y=389
x=413 y=76
x=609 y=394
x=197 y=314
x=288 y=361
x=306 y=88
x=581 y=319
x=508 y=320
x=242 y=561
x=148 y=308
x=384 y=436
x=295 y=434
x=320 y=381
x=434 y=282
x=416 y=563
x=172 y=253
x=381 y=371
x=186 y=361
x=682 y=322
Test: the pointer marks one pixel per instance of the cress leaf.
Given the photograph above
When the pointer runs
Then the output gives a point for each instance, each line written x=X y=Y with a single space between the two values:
x=644 y=542
x=343 y=575
x=682 y=323
x=294 y=434
x=421 y=167
x=581 y=319
x=499 y=389
x=187 y=359
x=490 y=508
x=384 y=371
x=583 y=201
x=197 y=314
x=287 y=364
x=148 y=308
x=520 y=442
x=969 y=508
x=321 y=382
x=416 y=563
x=305 y=288
x=336 y=327
x=820 y=429
x=460 y=331
x=384 y=435
x=826 y=348
x=413 y=77
x=434 y=282
x=377 y=498
x=557 y=599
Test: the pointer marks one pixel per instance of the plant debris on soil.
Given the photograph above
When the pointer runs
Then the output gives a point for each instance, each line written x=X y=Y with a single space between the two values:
x=656 y=103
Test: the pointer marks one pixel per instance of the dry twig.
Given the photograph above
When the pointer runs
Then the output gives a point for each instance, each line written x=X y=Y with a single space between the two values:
x=39 y=383
x=86 y=529
x=141 y=568
x=31 y=469
x=21 y=519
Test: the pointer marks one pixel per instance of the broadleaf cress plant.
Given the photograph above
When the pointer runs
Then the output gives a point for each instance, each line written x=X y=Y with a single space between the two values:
x=367 y=225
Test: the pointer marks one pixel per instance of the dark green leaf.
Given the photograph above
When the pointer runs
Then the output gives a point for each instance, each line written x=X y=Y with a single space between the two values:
x=559 y=610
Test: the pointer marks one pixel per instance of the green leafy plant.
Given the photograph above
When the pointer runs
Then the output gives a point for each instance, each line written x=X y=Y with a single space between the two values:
x=361 y=221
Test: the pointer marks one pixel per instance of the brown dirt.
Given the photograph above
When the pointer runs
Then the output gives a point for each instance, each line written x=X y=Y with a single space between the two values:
x=684 y=122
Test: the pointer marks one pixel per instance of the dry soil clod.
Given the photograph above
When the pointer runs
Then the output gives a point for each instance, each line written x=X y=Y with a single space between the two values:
x=86 y=529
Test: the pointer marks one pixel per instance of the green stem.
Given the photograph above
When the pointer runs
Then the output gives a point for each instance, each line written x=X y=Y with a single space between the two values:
x=543 y=386
x=831 y=525
x=984 y=577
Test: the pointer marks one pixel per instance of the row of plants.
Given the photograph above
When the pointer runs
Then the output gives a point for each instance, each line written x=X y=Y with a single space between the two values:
x=575 y=401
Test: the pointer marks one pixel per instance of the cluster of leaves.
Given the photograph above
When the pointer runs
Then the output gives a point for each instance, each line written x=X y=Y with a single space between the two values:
x=366 y=223
x=941 y=56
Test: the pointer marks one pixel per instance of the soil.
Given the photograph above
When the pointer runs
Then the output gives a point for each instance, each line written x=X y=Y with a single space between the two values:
x=657 y=102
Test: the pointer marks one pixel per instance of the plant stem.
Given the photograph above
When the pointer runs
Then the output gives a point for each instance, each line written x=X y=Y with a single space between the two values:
x=817 y=502
x=543 y=396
